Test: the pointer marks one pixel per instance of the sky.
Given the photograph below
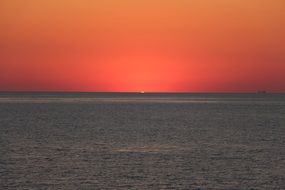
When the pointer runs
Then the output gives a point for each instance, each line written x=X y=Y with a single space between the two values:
x=142 y=45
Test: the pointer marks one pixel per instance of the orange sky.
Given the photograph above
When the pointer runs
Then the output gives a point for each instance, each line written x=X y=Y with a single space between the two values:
x=142 y=45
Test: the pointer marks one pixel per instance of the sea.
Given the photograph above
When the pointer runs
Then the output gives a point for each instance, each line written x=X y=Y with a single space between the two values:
x=142 y=141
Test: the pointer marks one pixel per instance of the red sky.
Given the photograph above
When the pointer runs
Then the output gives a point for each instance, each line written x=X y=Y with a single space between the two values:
x=142 y=45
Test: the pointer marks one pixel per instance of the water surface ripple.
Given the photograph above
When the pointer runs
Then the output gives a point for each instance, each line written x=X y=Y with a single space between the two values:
x=142 y=141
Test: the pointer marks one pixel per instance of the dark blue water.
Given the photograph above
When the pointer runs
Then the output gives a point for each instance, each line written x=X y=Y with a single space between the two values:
x=142 y=141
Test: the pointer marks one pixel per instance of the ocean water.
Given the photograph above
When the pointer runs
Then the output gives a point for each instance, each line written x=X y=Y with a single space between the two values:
x=142 y=141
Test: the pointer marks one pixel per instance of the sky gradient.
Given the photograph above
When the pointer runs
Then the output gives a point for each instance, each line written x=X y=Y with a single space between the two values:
x=142 y=45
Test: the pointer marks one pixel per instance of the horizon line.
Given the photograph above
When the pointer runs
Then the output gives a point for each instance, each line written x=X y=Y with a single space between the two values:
x=146 y=92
